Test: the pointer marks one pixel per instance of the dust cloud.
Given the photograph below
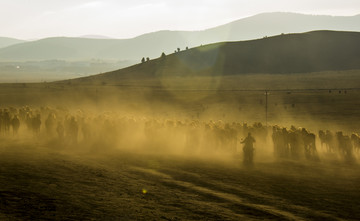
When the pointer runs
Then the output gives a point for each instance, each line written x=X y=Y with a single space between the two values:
x=94 y=151
x=191 y=135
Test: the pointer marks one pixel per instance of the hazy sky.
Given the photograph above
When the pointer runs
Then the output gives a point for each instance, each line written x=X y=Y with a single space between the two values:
x=29 y=19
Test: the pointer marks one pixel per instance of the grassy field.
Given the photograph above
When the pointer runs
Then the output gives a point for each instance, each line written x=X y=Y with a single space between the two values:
x=43 y=180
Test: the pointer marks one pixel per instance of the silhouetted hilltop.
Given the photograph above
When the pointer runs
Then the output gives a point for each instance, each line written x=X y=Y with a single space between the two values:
x=290 y=53
x=153 y=44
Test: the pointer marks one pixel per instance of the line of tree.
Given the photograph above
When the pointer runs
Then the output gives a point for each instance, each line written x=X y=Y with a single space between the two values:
x=163 y=55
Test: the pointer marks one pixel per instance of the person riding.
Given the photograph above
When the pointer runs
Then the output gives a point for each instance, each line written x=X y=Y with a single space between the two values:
x=248 y=149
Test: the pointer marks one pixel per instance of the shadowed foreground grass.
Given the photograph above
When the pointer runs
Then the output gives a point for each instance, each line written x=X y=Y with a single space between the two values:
x=40 y=182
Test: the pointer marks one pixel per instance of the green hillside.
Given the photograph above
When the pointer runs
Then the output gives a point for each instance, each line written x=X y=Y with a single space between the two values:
x=284 y=54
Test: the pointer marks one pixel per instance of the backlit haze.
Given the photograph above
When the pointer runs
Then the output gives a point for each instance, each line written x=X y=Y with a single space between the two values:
x=24 y=19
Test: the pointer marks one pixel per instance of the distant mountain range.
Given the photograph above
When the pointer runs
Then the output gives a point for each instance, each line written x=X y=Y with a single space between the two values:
x=288 y=53
x=6 y=42
x=95 y=37
x=153 y=44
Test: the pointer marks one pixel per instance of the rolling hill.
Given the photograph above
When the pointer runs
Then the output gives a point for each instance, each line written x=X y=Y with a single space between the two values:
x=288 y=53
x=153 y=44
x=6 y=42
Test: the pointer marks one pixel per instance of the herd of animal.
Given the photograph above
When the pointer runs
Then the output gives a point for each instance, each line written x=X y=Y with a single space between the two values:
x=194 y=136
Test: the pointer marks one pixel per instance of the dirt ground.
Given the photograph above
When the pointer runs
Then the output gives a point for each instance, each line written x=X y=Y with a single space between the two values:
x=42 y=182
x=46 y=181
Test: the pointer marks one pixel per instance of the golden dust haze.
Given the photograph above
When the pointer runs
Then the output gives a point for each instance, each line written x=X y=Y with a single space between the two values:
x=219 y=129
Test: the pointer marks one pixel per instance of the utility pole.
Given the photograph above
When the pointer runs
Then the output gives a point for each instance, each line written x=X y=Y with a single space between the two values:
x=266 y=107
